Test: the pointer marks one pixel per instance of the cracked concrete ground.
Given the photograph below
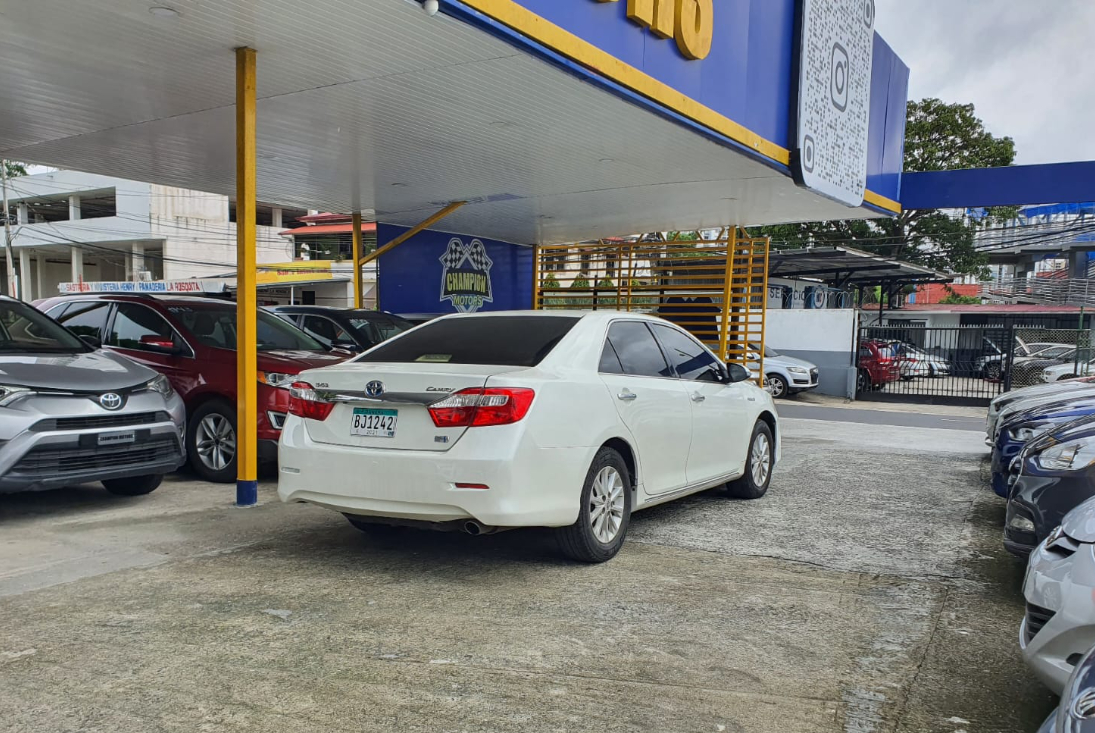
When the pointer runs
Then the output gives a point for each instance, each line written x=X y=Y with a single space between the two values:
x=867 y=592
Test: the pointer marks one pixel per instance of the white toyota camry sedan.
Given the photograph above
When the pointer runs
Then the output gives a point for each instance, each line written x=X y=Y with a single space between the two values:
x=492 y=421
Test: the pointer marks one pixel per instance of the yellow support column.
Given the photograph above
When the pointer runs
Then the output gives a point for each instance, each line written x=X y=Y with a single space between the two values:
x=246 y=295
x=359 y=296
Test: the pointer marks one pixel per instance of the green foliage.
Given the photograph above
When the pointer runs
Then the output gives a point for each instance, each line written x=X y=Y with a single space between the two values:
x=582 y=301
x=938 y=136
x=15 y=169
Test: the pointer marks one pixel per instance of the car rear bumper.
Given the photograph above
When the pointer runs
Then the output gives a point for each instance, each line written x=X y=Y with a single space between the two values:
x=528 y=486
x=1059 y=626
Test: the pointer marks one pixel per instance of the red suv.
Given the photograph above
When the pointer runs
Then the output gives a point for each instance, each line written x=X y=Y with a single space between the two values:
x=878 y=364
x=193 y=342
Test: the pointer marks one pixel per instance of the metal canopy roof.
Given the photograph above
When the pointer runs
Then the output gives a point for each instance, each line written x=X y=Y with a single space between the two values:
x=846 y=266
x=367 y=104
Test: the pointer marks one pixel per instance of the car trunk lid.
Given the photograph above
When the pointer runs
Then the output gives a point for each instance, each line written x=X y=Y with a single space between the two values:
x=378 y=405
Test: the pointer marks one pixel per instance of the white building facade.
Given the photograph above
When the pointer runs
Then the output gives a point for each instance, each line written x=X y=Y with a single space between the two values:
x=80 y=227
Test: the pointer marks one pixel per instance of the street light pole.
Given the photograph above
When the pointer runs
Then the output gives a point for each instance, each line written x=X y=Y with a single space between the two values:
x=7 y=229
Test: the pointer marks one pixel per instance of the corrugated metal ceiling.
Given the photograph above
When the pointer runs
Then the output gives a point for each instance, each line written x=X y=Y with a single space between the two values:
x=370 y=104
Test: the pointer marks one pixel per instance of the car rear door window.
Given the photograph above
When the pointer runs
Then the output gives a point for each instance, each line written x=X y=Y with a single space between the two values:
x=691 y=360
x=637 y=350
x=135 y=324
x=521 y=341
x=86 y=319
x=610 y=363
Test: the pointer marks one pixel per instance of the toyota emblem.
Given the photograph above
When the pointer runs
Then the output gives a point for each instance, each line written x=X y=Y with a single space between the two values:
x=110 y=400
x=374 y=388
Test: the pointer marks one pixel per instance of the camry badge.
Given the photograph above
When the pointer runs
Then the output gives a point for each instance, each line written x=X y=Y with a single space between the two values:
x=374 y=388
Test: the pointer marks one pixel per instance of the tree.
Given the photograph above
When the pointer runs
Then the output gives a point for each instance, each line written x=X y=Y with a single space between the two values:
x=15 y=169
x=938 y=136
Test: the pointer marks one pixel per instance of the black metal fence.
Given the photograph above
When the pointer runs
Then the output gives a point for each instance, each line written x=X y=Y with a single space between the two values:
x=964 y=365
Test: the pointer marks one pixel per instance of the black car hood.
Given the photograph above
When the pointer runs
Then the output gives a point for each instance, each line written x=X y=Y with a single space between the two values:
x=95 y=371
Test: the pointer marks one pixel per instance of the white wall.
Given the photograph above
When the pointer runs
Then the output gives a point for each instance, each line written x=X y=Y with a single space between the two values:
x=198 y=238
x=825 y=338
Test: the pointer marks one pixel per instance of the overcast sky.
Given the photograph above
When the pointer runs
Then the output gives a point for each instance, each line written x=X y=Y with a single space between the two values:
x=1026 y=66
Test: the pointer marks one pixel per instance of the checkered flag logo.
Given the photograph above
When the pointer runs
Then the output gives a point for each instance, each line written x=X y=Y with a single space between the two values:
x=465 y=278
x=454 y=255
x=477 y=255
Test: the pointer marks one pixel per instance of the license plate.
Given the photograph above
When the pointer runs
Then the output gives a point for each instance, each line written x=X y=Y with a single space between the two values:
x=117 y=438
x=374 y=423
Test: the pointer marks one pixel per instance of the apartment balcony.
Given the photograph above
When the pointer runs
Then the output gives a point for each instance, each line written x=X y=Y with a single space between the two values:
x=1040 y=291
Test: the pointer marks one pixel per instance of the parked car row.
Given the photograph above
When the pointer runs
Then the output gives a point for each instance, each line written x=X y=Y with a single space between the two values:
x=1043 y=463
x=123 y=389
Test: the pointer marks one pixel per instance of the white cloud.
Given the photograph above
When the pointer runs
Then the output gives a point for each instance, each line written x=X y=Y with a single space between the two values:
x=1025 y=66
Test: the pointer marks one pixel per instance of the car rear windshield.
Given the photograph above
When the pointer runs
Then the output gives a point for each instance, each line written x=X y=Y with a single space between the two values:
x=489 y=340
x=215 y=325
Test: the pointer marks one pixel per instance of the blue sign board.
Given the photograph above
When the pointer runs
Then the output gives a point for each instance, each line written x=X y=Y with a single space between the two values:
x=437 y=272
x=739 y=89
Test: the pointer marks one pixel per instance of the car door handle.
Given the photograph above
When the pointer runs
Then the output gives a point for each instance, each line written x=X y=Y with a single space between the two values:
x=697 y=397
x=627 y=396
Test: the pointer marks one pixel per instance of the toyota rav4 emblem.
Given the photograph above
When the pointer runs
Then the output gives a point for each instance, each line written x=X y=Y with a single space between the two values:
x=110 y=400
x=374 y=388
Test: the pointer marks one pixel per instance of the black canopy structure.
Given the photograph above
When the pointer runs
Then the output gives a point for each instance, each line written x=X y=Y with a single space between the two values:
x=843 y=266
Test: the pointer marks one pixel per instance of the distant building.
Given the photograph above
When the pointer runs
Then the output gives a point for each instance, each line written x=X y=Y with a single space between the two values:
x=81 y=227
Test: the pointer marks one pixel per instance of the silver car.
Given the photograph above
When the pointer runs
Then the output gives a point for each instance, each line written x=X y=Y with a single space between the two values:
x=1059 y=626
x=71 y=413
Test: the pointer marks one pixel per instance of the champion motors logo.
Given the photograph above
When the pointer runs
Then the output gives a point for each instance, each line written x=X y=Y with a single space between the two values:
x=465 y=277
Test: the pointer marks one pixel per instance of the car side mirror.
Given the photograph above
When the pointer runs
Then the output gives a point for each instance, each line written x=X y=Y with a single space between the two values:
x=159 y=345
x=346 y=345
x=92 y=341
x=737 y=373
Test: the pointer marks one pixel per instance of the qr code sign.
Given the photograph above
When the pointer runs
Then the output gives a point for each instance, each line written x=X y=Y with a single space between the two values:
x=834 y=97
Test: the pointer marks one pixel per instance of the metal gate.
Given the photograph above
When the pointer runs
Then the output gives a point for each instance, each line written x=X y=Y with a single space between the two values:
x=715 y=288
x=964 y=365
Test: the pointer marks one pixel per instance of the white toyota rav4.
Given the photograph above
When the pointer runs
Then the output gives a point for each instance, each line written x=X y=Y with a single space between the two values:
x=490 y=421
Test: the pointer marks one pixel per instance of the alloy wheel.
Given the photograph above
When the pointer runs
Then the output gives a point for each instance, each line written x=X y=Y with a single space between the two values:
x=606 y=504
x=760 y=462
x=215 y=441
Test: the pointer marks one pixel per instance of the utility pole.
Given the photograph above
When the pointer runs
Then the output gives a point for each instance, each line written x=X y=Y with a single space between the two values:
x=7 y=229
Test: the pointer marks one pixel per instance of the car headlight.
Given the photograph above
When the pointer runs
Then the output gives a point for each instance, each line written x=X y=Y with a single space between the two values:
x=1070 y=456
x=798 y=370
x=277 y=379
x=160 y=384
x=1030 y=431
x=12 y=393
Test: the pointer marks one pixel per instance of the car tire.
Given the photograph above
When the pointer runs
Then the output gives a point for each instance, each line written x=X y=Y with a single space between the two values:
x=862 y=381
x=779 y=386
x=133 y=485
x=1066 y=376
x=931 y=372
x=605 y=511
x=758 y=465
x=213 y=426
x=993 y=370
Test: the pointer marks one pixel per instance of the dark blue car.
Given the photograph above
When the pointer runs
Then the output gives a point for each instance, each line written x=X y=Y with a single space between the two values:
x=1027 y=425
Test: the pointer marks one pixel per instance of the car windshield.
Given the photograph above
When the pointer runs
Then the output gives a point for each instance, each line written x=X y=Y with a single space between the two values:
x=379 y=328
x=24 y=330
x=214 y=325
x=1055 y=352
x=769 y=353
x=488 y=340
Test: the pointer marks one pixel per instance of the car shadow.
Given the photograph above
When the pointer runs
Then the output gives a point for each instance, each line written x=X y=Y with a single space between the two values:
x=59 y=502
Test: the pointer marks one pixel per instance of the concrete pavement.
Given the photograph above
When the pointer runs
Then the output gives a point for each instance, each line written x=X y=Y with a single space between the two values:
x=866 y=592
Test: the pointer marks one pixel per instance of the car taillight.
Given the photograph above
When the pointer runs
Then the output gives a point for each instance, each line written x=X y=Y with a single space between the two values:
x=481 y=407
x=305 y=402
